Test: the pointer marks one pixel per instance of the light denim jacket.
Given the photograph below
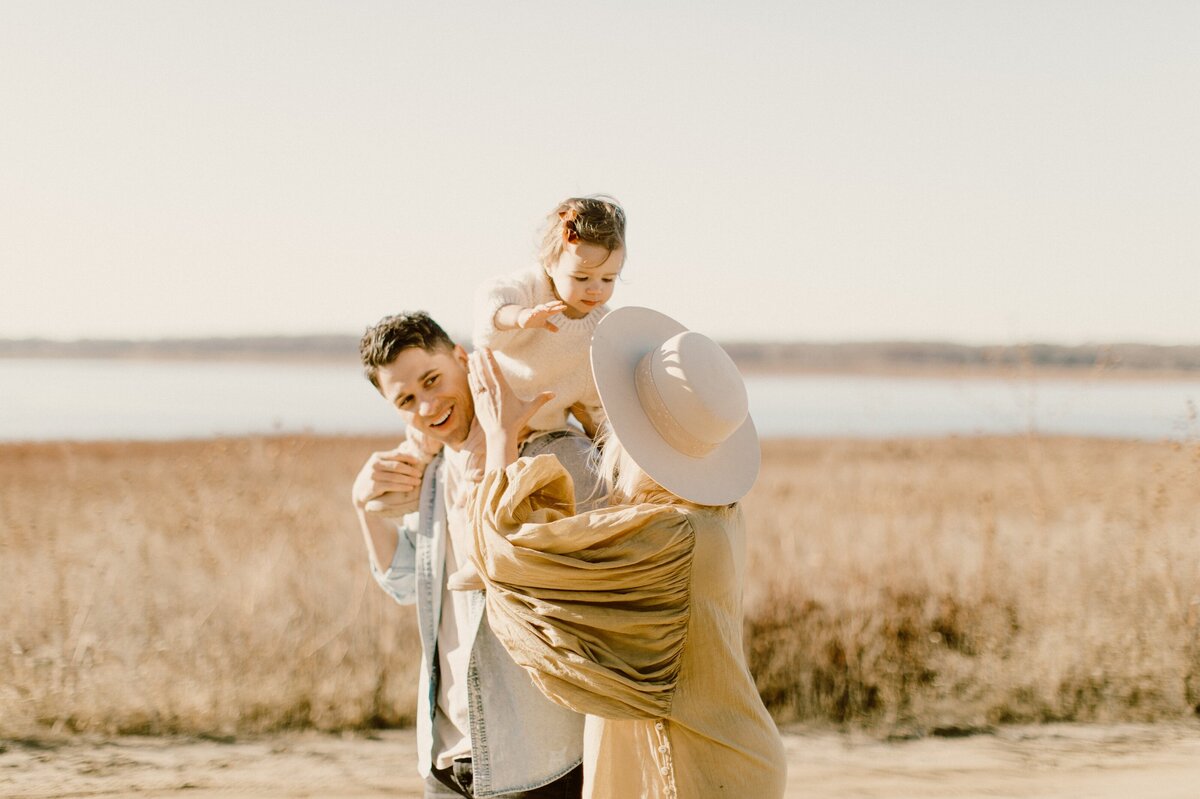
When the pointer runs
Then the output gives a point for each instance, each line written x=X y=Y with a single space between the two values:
x=519 y=739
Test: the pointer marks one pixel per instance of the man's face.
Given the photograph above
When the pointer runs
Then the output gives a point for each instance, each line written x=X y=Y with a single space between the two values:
x=431 y=392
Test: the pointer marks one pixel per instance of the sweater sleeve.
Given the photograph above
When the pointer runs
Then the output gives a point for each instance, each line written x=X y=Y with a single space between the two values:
x=595 y=606
x=493 y=295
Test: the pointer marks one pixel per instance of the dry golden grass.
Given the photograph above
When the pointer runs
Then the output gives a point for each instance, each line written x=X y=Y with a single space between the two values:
x=221 y=587
x=193 y=587
x=961 y=583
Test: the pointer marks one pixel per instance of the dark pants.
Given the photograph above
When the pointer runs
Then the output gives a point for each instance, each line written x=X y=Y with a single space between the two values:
x=457 y=780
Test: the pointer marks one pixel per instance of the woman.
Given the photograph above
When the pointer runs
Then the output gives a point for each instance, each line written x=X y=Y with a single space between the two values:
x=632 y=614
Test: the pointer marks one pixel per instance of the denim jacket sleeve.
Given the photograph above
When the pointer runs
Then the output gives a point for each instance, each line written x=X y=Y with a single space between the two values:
x=400 y=578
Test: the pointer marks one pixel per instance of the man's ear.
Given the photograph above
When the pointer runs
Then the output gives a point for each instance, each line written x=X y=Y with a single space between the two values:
x=460 y=355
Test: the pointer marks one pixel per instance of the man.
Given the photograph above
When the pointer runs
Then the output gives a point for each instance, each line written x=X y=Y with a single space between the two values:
x=483 y=729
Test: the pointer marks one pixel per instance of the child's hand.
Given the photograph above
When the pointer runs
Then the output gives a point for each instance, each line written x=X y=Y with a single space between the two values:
x=539 y=315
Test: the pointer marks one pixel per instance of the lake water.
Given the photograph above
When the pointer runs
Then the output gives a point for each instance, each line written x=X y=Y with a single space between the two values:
x=117 y=399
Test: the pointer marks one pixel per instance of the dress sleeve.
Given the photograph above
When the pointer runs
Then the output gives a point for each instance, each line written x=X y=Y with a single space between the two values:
x=595 y=606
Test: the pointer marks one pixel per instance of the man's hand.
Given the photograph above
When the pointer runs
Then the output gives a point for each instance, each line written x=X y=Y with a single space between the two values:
x=394 y=504
x=539 y=315
x=388 y=484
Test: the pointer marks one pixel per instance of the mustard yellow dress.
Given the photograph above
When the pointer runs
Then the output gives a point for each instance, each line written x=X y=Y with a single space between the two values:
x=632 y=615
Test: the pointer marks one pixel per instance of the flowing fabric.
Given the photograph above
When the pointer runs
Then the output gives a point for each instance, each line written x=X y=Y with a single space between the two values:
x=594 y=606
x=632 y=615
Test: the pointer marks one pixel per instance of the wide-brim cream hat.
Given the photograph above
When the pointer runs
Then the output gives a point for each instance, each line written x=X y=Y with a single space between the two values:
x=677 y=403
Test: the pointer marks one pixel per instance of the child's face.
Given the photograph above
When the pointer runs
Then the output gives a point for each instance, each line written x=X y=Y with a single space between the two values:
x=585 y=275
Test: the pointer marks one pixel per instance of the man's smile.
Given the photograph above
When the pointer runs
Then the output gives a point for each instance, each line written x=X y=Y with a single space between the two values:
x=441 y=420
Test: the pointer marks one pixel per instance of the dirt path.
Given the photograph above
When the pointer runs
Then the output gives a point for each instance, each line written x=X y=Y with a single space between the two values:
x=1142 y=761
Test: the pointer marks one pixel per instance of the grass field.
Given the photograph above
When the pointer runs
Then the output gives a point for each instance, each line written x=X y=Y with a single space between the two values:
x=220 y=587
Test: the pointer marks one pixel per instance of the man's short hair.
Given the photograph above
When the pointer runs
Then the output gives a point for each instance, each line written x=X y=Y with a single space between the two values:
x=383 y=341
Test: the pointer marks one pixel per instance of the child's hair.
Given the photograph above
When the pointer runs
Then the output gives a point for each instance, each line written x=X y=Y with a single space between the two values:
x=596 y=219
x=383 y=341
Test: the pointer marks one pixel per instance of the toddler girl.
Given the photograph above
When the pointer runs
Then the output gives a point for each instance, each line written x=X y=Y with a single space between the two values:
x=538 y=322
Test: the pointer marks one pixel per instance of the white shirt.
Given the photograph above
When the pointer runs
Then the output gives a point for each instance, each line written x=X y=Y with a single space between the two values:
x=451 y=727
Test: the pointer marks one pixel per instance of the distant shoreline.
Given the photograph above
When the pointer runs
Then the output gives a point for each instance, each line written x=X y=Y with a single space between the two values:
x=871 y=358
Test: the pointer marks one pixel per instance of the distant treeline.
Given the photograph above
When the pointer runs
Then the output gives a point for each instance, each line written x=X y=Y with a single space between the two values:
x=750 y=356
x=323 y=347
x=870 y=355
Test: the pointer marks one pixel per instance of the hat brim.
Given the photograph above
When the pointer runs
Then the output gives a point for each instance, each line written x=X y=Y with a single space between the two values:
x=724 y=475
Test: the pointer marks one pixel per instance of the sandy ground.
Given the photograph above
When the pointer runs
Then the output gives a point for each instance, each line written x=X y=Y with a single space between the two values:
x=1104 y=762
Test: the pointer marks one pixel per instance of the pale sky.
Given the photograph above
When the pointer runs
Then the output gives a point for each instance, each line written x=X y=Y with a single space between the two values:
x=976 y=171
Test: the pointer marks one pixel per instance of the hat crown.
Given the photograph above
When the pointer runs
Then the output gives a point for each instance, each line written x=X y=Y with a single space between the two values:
x=676 y=403
x=700 y=387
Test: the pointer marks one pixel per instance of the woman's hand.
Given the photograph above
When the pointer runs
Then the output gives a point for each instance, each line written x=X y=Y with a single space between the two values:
x=502 y=415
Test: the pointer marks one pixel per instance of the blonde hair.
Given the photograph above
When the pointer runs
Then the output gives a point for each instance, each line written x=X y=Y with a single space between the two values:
x=627 y=484
x=596 y=219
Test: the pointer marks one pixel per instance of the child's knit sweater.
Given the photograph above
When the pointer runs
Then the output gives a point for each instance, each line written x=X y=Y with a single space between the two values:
x=537 y=360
